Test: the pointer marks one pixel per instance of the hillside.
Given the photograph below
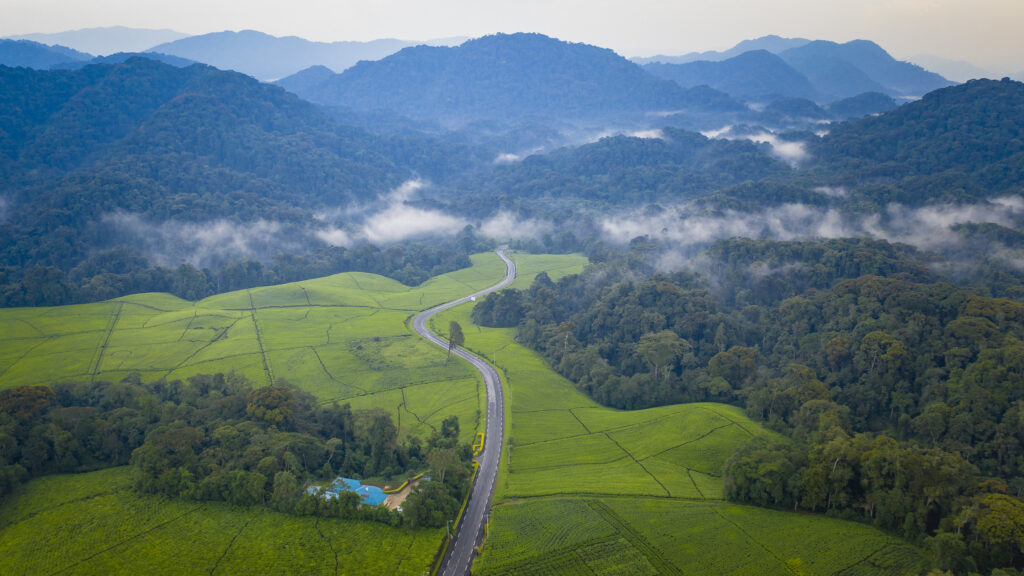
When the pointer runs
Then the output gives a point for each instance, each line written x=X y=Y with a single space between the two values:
x=159 y=143
x=30 y=54
x=753 y=75
x=269 y=57
x=843 y=70
x=668 y=165
x=972 y=129
x=505 y=77
x=122 y=57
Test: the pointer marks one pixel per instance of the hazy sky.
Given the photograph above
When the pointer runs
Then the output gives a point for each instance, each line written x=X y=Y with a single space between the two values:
x=986 y=32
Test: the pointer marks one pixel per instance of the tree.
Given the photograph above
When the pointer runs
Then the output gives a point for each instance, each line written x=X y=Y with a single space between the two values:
x=662 y=348
x=455 y=337
x=441 y=460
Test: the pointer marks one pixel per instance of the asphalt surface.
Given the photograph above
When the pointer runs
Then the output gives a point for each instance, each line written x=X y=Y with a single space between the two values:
x=470 y=529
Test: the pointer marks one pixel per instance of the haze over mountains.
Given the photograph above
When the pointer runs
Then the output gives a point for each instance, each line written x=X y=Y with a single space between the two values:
x=267 y=57
x=106 y=40
x=507 y=76
x=820 y=70
x=122 y=144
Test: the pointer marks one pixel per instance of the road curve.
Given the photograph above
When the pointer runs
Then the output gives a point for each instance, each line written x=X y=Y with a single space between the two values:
x=470 y=529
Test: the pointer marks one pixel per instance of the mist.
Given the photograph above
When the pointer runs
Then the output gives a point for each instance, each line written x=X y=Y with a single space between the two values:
x=794 y=153
x=205 y=244
x=508 y=226
x=687 y=229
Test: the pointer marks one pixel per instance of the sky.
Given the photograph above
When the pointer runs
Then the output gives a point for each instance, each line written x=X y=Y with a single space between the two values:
x=984 y=32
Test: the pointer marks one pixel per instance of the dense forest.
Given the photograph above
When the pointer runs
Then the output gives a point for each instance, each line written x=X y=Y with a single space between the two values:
x=899 y=392
x=97 y=162
x=125 y=270
x=216 y=437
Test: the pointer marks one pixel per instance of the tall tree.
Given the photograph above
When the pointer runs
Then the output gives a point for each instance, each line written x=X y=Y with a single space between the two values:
x=662 y=348
x=455 y=337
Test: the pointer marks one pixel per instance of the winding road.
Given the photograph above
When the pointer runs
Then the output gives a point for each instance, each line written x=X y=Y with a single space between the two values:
x=470 y=529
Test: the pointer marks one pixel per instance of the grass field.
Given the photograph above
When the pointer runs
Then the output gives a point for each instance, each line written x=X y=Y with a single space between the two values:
x=96 y=524
x=343 y=338
x=586 y=489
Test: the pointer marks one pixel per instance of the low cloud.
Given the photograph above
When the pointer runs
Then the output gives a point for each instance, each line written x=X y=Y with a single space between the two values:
x=931 y=227
x=832 y=191
x=716 y=133
x=202 y=244
x=792 y=152
x=3 y=208
x=507 y=226
x=334 y=237
x=402 y=221
x=399 y=220
x=685 y=227
x=647 y=134
x=928 y=227
x=507 y=158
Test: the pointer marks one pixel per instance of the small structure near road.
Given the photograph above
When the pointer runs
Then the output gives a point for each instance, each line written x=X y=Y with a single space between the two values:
x=368 y=494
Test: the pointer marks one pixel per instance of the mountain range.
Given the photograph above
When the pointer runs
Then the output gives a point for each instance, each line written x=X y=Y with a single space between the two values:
x=819 y=70
x=269 y=57
x=106 y=40
x=164 y=143
x=35 y=55
x=505 y=76
x=771 y=43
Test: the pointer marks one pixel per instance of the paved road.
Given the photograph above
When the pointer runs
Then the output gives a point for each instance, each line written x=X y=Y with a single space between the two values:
x=470 y=531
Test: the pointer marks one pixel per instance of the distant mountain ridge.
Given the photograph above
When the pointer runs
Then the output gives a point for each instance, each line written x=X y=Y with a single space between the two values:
x=269 y=57
x=122 y=57
x=106 y=40
x=506 y=76
x=771 y=43
x=819 y=59
x=820 y=70
x=29 y=54
x=753 y=75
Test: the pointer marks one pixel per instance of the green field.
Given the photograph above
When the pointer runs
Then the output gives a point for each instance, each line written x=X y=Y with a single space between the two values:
x=343 y=338
x=96 y=524
x=586 y=489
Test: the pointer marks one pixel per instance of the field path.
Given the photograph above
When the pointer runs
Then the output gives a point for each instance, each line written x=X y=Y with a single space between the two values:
x=469 y=528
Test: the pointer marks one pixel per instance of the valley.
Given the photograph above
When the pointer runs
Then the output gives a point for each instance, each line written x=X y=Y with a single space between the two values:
x=753 y=305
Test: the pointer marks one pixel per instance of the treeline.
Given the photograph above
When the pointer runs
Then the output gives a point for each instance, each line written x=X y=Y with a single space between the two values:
x=218 y=438
x=901 y=394
x=124 y=270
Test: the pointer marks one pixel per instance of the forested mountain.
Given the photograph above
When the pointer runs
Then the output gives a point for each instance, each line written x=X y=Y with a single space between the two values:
x=122 y=57
x=269 y=57
x=508 y=77
x=673 y=166
x=844 y=70
x=753 y=75
x=115 y=156
x=973 y=129
x=30 y=54
x=821 y=71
